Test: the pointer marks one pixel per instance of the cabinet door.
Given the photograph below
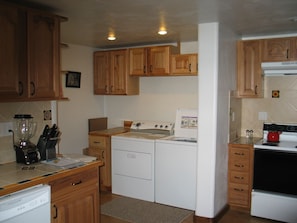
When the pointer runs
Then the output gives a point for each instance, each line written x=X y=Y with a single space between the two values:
x=184 y=64
x=13 y=69
x=138 y=61
x=75 y=198
x=118 y=75
x=78 y=207
x=159 y=61
x=101 y=71
x=249 y=73
x=279 y=49
x=44 y=55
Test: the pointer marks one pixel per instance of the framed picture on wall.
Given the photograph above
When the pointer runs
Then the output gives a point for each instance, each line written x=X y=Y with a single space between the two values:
x=73 y=79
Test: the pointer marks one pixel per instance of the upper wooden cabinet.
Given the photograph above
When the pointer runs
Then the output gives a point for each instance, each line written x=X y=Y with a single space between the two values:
x=249 y=73
x=111 y=74
x=184 y=64
x=279 y=49
x=151 y=61
x=30 y=54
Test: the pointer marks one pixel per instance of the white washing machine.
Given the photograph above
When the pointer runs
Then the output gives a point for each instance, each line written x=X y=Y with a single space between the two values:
x=176 y=173
x=133 y=159
x=176 y=163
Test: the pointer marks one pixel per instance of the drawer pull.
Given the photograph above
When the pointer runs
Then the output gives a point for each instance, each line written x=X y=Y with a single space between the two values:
x=239 y=154
x=239 y=178
x=239 y=165
x=238 y=189
x=79 y=182
x=96 y=142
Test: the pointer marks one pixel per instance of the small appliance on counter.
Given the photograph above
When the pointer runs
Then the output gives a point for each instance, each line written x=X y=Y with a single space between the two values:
x=47 y=142
x=24 y=129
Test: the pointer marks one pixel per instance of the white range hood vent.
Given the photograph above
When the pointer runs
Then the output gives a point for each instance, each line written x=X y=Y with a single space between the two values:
x=279 y=68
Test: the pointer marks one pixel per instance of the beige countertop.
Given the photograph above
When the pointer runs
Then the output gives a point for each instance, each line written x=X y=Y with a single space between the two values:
x=109 y=132
x=16 y=176
x=245 y=140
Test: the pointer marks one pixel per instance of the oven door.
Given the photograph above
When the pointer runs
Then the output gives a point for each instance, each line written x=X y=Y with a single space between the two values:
x=275 y=171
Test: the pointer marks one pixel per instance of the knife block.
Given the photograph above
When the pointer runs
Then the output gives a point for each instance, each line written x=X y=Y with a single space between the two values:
x=47 y=148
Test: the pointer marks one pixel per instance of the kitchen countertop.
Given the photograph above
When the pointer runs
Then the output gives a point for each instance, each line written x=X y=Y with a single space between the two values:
x=16 y=176
x=245 y=140
x=109 y=132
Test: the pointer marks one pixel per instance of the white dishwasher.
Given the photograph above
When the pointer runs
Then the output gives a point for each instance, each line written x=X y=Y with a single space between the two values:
x=26 y=206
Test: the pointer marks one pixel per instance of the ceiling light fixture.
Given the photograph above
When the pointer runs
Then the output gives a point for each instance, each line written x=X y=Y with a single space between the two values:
x=162 y=32
x=111 y=38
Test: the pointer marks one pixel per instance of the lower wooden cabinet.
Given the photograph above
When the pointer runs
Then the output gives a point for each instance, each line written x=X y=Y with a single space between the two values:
x=240 y=175
x=75 y=198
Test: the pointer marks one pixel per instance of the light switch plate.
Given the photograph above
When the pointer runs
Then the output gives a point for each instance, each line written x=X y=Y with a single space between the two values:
x=4 y=128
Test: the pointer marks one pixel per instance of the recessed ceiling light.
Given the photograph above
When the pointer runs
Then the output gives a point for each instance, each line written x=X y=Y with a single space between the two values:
x=162 y=32
x=111 y=38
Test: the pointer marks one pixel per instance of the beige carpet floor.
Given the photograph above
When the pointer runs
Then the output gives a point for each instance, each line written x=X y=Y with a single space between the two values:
x=139 y=211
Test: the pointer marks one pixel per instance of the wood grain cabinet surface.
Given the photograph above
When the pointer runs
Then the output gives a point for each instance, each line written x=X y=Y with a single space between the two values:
x=100 y=147
x=151 y=61
x=240 y=175
x=184 y=64
x=249 y=72
x=30 y=54
x=111 y=74
x=279 y=49
x=75 y=198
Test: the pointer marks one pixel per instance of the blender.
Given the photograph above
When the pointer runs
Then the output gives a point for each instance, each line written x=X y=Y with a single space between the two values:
x=24 y=129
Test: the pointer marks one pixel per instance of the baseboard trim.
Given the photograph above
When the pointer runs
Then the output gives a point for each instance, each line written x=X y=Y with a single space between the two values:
x=199 y=219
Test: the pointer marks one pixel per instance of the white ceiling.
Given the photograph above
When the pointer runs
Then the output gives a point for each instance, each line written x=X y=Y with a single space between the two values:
x=136 y=22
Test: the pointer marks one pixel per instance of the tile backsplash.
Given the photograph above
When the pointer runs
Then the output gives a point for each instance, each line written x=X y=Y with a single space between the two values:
x=8 y=110
x=282 y=109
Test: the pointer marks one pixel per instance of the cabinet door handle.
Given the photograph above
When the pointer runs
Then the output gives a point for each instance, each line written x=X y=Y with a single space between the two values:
x=190 y=67
x=56 y=212
x=256 y=89
x=144 y=69
x=102 y=154
x=287 y=53
x=76 y=183
x=21 y=88
x=33 y=88
x=237 y=189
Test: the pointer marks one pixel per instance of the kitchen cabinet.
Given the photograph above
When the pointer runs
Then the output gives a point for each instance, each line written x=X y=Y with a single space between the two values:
x=184 y=64
x=100 y=147
x=249 y=72
x=279 y=49
x=30 y=55
x=75 y=198
x=111 y=74
x=240 y=175
x=151 y=61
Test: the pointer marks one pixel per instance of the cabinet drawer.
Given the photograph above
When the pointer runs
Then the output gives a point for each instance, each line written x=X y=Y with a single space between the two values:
x=74 y=182
x=97 y=141
x=239 y=177
x=239 y=153
x=239 y=165
x=239 y=194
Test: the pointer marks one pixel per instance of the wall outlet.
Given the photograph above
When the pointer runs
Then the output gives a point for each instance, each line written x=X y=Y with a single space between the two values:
x=47 y=115
x=4 y=128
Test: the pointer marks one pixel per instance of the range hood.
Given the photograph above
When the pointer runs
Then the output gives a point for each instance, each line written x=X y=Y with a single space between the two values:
x=279 y=68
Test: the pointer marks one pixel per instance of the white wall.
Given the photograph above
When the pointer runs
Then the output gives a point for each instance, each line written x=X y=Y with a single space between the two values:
x=158 y=99
x=73 y=115
x=216 y=79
